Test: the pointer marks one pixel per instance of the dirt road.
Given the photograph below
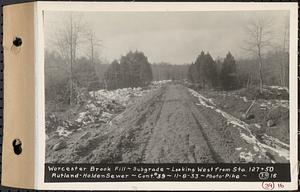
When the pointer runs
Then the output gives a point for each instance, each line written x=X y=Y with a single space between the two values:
x=169 y=125
x=179 y=134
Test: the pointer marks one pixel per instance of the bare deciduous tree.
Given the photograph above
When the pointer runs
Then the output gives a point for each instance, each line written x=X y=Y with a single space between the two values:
x=67 y=42
x=285 y=45
x=259 y=37
x=94 y=44
x=93 y=53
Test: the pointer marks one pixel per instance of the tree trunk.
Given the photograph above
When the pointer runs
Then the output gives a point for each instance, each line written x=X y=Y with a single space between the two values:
x=71 y=63
x=261 y=83
x=283 y=60
x=248 y=81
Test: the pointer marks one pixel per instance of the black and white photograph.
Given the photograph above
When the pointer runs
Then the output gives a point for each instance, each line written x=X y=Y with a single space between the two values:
x=167 y=86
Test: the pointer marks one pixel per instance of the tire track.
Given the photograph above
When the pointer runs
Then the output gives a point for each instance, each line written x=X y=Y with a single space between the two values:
x=176 y=136
x=162 y=99
x=217 y=158
x=136 y=131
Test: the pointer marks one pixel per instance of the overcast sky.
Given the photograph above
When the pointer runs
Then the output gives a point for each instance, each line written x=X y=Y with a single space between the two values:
x=175 y=37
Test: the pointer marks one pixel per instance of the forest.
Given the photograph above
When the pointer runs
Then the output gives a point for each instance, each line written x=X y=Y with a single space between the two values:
x=134 y=70
x=69 y=74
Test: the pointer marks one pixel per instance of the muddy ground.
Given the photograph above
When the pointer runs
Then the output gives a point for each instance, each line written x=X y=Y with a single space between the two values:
x=172 y=124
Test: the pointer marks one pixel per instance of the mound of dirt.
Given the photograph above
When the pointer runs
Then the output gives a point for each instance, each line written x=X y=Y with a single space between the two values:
x=81 y=127
x=97 y=143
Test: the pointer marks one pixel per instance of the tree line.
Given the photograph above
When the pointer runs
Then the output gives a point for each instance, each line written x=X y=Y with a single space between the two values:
x=167 y=71
x=229 y=73
x=69 y=74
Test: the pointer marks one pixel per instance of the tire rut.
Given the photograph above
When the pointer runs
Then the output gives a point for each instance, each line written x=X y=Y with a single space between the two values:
x=176 y=137
x=216 y=157
x=143 y=125
x=162 y=98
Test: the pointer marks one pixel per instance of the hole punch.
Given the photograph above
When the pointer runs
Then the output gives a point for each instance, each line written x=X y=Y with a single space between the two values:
x=17 y=145
x=16 y=45
x=17 y=42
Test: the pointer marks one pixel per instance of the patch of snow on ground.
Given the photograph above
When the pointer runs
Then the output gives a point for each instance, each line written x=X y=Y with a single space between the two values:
x=122 y=96
x=244 y=99
x=61 y=131
x=279 y=88
x=282 y=103
x=257 y=126
x=203 y=103
x=247 y=156
x=107 y=115
x=275 y=140
x=161 y=82
x=81 y=116
x=250 y=139
x=278 y=150
x=234 y=121
x=274 y=103
x=256 y=148
x=202 y=99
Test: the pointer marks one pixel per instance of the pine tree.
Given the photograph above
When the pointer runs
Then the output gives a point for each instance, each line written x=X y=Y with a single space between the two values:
x=190 y=73
x=145 y=70
x=228 y=75
x=133 y=70
x=210 y=70
x=203 y=71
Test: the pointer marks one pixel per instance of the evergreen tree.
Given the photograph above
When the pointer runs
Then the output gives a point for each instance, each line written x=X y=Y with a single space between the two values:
x=210 y=71
x=190 y=74
x=133 y=70
x=228 y=75
x=146 y=75
x=203 y=71
x=193 y=73
x=113 y=76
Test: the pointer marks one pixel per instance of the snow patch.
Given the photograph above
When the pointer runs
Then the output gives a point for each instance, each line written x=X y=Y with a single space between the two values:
x=122 y=96
x=256 y=148
x=202 y=99
x=275 y=140
x=247 y=156
x=161 y=82
x=81 y=117
x=279 y=88
x=61 y=131
x=257 y=126
x=270 y=104
x=244 y=99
